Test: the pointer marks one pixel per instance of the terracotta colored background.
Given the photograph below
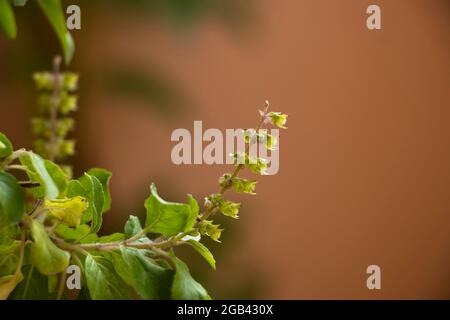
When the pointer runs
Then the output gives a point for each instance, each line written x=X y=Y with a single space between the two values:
x=364 y=176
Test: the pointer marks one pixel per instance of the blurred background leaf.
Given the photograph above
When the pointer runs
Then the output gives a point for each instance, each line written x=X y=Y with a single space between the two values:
x=152 y=89
x=7 y=19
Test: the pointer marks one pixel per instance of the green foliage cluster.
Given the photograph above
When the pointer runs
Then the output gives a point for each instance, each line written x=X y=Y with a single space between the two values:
x=52 y=221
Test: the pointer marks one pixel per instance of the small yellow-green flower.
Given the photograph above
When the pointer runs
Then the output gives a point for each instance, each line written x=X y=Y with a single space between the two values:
x=279 y=119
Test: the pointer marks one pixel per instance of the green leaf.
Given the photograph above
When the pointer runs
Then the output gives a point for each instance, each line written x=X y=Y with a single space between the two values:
x=104 y=176
x=114 y=237
x=8 y=232
x=72 y=234
x=203 y=251
x=102 y=280
x=169 y=218
x=149 y=280
x=33 y=287
x=12 y=199
x=6 y=147
x=94 y=193
x=44 y=254
x=7 y=19
x=132 y=227
x=55 y=15
x=58 y=176
x=52 y=180
x=90 y=238
x=75 y=188
x=9 y=257
x=184 y=287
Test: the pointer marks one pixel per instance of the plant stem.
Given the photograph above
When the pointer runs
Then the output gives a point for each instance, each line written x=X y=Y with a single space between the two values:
x=55 y=100
x=15 y=155
x=111 y=246
x=61 y=285
x=22 y=252
x=116 y=245
x=137 y=236
x=17 y=167
x=69 y=247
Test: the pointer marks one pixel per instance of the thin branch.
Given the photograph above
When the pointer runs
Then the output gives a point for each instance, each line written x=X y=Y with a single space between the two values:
x=137 y=236
x=61 y=285
x=55 y=100
x=22 y=253
x=14 y=156
x=111 y=246
x=17 y=167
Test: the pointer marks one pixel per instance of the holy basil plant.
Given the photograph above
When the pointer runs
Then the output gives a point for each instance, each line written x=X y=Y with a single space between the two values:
x=50 y=222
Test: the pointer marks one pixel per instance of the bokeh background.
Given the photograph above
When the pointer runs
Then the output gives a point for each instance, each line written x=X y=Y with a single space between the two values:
x=365 y=165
